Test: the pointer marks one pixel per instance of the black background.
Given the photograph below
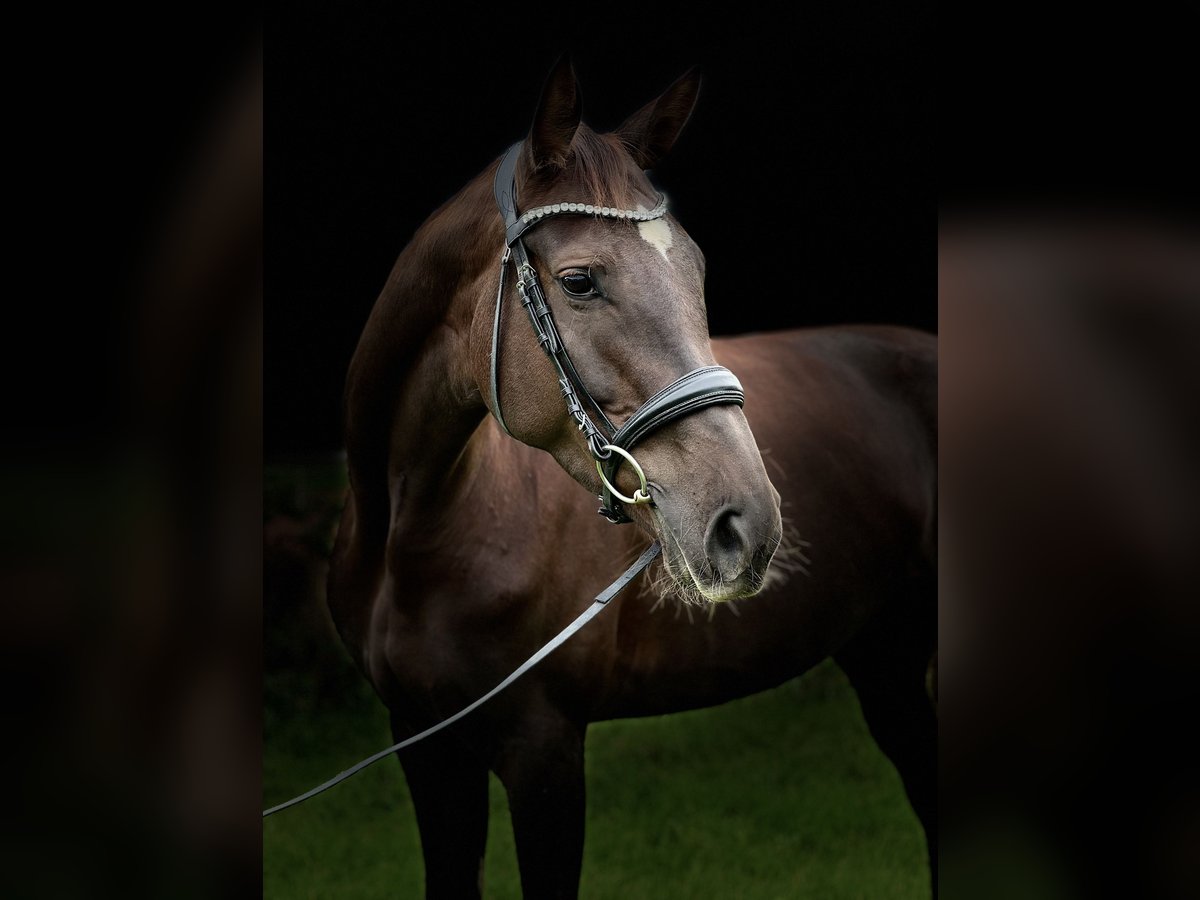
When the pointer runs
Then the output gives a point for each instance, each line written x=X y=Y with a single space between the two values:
x=806 y=173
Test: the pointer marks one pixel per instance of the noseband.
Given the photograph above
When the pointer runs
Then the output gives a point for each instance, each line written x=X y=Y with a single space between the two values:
x=610 y=446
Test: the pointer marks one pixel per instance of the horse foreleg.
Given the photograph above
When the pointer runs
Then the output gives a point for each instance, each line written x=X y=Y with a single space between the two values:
x=887 y=664
x=541 y=767
x=449 y=788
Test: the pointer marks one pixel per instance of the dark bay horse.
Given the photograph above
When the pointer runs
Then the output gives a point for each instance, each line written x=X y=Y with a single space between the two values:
x=462 y=550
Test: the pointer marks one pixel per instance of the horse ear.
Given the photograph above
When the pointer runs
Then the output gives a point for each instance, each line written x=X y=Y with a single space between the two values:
x=557 y=117
x=651 y=132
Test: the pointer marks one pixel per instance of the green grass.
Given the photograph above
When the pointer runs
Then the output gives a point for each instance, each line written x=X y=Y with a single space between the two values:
x=779 y=795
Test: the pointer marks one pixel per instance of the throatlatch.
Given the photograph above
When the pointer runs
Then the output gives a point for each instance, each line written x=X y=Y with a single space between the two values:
x=610 y=446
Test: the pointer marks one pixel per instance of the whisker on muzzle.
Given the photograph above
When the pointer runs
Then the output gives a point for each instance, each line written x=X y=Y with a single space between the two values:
x=790 y=556
x=668 y=583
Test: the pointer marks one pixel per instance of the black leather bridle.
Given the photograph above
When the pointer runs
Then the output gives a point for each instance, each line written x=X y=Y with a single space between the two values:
x=610 y=446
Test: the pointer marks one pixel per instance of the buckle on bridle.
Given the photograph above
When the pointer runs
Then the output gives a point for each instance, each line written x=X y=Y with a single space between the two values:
x=613 y=516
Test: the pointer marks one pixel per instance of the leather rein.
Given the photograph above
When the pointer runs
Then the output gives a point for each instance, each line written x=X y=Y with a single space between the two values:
x=698 y=389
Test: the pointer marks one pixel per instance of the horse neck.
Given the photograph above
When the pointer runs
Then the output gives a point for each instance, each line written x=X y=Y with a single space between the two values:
x=411 y=399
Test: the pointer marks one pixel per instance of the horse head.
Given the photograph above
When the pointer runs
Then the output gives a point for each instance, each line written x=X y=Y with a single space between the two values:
x=626 y=297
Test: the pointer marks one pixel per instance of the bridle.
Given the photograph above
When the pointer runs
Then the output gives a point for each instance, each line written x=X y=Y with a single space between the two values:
x=610 y=447
x=699 y=388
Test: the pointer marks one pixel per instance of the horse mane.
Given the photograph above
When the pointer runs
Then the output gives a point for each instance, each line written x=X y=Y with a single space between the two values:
x=430 y=269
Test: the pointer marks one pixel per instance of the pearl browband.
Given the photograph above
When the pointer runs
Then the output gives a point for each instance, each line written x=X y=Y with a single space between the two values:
x=589 y=210
x=530 y=218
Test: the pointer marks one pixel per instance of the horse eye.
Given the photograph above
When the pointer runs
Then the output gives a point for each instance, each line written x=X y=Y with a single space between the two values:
x=577 y=284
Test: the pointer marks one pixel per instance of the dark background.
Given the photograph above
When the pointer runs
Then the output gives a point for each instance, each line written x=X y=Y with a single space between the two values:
x=805 y=173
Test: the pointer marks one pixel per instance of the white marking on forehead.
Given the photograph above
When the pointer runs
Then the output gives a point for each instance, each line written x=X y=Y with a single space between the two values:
x=657 y=233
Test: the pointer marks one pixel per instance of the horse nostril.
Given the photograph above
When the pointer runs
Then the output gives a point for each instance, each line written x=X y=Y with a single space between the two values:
x=727 y=544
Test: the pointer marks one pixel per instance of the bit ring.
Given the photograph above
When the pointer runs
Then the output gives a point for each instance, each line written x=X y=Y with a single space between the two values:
x=641 y=495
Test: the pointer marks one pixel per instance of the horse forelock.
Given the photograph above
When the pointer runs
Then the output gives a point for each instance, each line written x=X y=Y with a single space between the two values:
x=598 y=169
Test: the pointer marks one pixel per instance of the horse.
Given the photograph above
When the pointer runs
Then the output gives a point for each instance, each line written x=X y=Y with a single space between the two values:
x=463 y=546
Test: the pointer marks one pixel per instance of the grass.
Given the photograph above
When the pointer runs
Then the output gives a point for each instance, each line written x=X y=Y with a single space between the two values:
x=783 y=794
